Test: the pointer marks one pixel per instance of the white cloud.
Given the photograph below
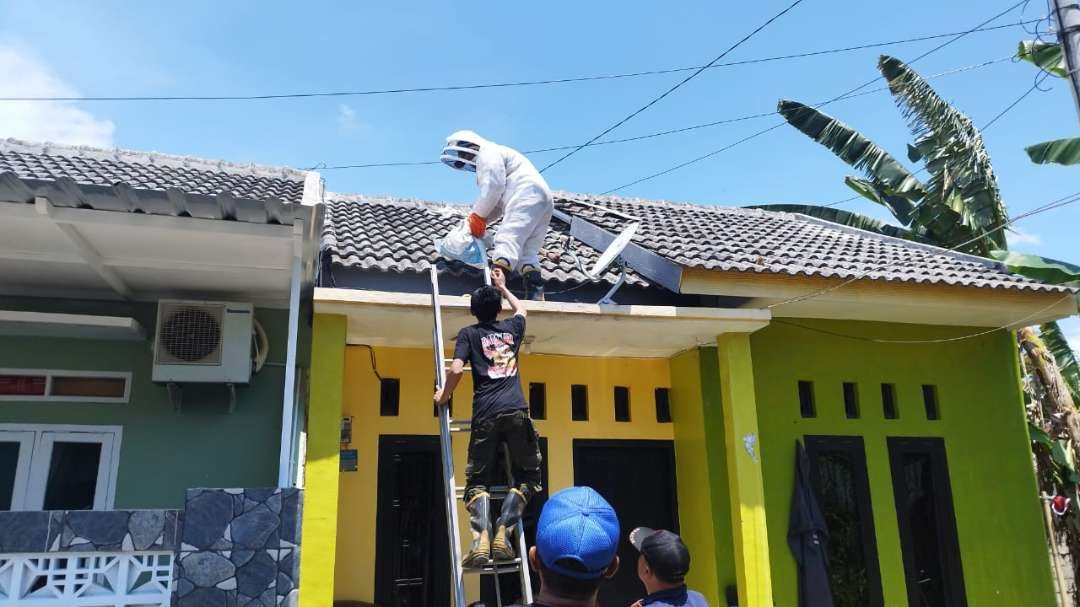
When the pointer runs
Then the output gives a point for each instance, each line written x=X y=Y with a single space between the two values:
x=22 y=75
x=1020 y=237
x=347 y=121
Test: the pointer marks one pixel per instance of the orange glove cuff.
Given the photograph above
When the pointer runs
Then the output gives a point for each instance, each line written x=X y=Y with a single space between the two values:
x=477 y=225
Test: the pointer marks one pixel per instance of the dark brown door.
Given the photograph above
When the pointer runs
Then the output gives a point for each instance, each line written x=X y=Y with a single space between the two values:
x=924 y=512
x=637 y=477
x=838 y=471
x=411 y=545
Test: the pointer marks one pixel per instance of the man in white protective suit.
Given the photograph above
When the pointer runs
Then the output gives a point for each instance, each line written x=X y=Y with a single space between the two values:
x=510 y=188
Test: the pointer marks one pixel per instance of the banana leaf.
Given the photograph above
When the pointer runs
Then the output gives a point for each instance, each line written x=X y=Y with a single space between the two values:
x=846 y=218
x=1045 y=55
x=1038 y=435
x=858 y=151
x=1064 y=355
x=962 y=189
x=1059 y=151
x=1043 y=269
x=899 y=206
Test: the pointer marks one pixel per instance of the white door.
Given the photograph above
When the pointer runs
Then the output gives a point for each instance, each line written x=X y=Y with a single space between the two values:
x=58 y=467
x=16 y=448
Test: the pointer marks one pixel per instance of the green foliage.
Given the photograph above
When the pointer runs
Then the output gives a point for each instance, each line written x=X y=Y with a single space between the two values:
x=1045 y=55
x=1058 y=151
x=1043 y=269
x=846 y=218
x=1064 y=355
x=962 y=189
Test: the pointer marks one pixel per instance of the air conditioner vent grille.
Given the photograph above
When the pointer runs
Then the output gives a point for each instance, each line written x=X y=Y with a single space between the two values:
x=191 y=334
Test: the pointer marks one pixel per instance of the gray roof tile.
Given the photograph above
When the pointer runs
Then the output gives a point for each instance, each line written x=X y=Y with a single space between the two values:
x=395 y=235
x=148 y=182
x=768 y=242
x=149 y=170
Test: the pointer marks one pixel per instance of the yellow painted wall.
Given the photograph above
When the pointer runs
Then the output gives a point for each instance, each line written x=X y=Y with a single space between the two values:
x=356 y=531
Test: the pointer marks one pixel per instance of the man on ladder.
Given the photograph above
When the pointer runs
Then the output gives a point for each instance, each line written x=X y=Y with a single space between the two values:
x=500 y=415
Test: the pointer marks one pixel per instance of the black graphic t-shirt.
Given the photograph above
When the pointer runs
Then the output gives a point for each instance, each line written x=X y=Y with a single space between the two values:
x=491 y=348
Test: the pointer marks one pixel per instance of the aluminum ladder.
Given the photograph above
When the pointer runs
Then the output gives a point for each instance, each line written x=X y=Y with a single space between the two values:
x=453 y=493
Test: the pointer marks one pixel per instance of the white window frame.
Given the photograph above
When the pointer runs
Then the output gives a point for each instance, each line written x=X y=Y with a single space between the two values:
x=50 y=373
x=33 y=496
x=25 y=440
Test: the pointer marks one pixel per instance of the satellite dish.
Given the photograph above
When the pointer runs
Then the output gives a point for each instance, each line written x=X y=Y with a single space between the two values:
x=612 y=252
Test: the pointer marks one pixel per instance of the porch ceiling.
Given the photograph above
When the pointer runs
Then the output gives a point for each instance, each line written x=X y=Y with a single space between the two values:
x=47 y=250
x=380 y=318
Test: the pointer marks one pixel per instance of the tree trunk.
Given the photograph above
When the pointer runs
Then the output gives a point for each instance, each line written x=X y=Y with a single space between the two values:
x=1054 y=412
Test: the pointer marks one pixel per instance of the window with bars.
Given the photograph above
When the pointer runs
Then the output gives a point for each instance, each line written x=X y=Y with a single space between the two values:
x=64 y=386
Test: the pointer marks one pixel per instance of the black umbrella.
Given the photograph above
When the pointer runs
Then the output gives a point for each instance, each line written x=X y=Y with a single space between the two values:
x=808 y=537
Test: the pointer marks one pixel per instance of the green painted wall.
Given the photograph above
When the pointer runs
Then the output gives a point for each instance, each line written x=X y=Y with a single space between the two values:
x=998 y=515
x=162 y=452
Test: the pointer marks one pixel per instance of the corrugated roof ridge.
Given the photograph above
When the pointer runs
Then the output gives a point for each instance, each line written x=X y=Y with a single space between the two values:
x=20 y=146
x=397 y=201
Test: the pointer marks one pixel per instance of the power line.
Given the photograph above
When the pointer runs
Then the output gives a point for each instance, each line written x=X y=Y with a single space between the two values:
x=1061 y=202
x=659 y=133
x=1008 y=108
x=983 y=129
x=509 y=84
x=834 y=99
x=676 y=87
x=1056 y=204
x=882 y=340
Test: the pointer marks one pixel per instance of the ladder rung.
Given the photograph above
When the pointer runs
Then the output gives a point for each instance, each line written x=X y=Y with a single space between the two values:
x=500 y=567
x=497 y=492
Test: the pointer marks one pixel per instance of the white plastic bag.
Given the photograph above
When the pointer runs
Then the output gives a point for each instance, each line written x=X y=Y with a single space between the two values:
x=460 y=244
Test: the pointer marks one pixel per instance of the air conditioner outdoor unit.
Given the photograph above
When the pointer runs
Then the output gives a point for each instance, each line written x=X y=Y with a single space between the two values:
x=203 y=342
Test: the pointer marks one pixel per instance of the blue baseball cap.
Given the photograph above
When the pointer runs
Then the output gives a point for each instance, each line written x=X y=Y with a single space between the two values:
x=577 y=525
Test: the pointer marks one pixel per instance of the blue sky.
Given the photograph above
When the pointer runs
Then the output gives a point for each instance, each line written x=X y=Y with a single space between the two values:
x=113 y=48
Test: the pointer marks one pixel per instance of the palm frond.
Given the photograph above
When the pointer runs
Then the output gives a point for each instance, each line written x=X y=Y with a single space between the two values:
x=1064 y=355
x=962 y=178
x=846 y=218
x=1058 y=151
x=1045 y=55
x=858 y=151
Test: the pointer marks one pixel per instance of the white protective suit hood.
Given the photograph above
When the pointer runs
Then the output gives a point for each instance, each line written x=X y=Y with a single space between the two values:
x=461 y=150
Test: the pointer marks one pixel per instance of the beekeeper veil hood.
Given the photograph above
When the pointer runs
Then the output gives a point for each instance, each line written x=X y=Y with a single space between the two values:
x=461 y=150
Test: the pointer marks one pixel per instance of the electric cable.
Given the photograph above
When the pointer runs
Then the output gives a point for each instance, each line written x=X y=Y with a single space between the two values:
x=322 y=166
x=675 y=87
x=507 y=84
x=1061 y=202
x=374 y=366
x=757 y=134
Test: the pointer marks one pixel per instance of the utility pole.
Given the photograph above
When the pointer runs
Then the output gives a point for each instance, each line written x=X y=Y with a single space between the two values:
x=1067 y=16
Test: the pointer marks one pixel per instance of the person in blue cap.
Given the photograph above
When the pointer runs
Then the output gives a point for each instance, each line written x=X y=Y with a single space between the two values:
x=662 y=567
x=577 y=538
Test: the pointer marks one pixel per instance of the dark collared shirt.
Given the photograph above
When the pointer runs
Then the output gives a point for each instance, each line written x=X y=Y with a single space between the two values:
x=675 y=597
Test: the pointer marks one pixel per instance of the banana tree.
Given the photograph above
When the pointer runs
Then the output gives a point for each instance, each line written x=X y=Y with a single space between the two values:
x=1049 y=58
x=959 y=206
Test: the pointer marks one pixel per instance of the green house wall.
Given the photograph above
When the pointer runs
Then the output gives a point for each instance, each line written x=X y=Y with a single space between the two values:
x=998 y=516
x=162 y=452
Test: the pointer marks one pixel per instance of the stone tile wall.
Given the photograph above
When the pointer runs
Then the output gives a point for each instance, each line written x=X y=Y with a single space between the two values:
x=89 y=531
x=239 y=547
x=233 y=547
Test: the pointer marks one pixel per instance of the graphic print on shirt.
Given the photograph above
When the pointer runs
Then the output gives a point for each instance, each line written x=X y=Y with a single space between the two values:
x=499 y=351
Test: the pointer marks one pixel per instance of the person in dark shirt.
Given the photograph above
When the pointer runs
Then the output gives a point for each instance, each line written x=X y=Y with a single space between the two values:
x=500 y=415
x=577 y=538
x=662 y=567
